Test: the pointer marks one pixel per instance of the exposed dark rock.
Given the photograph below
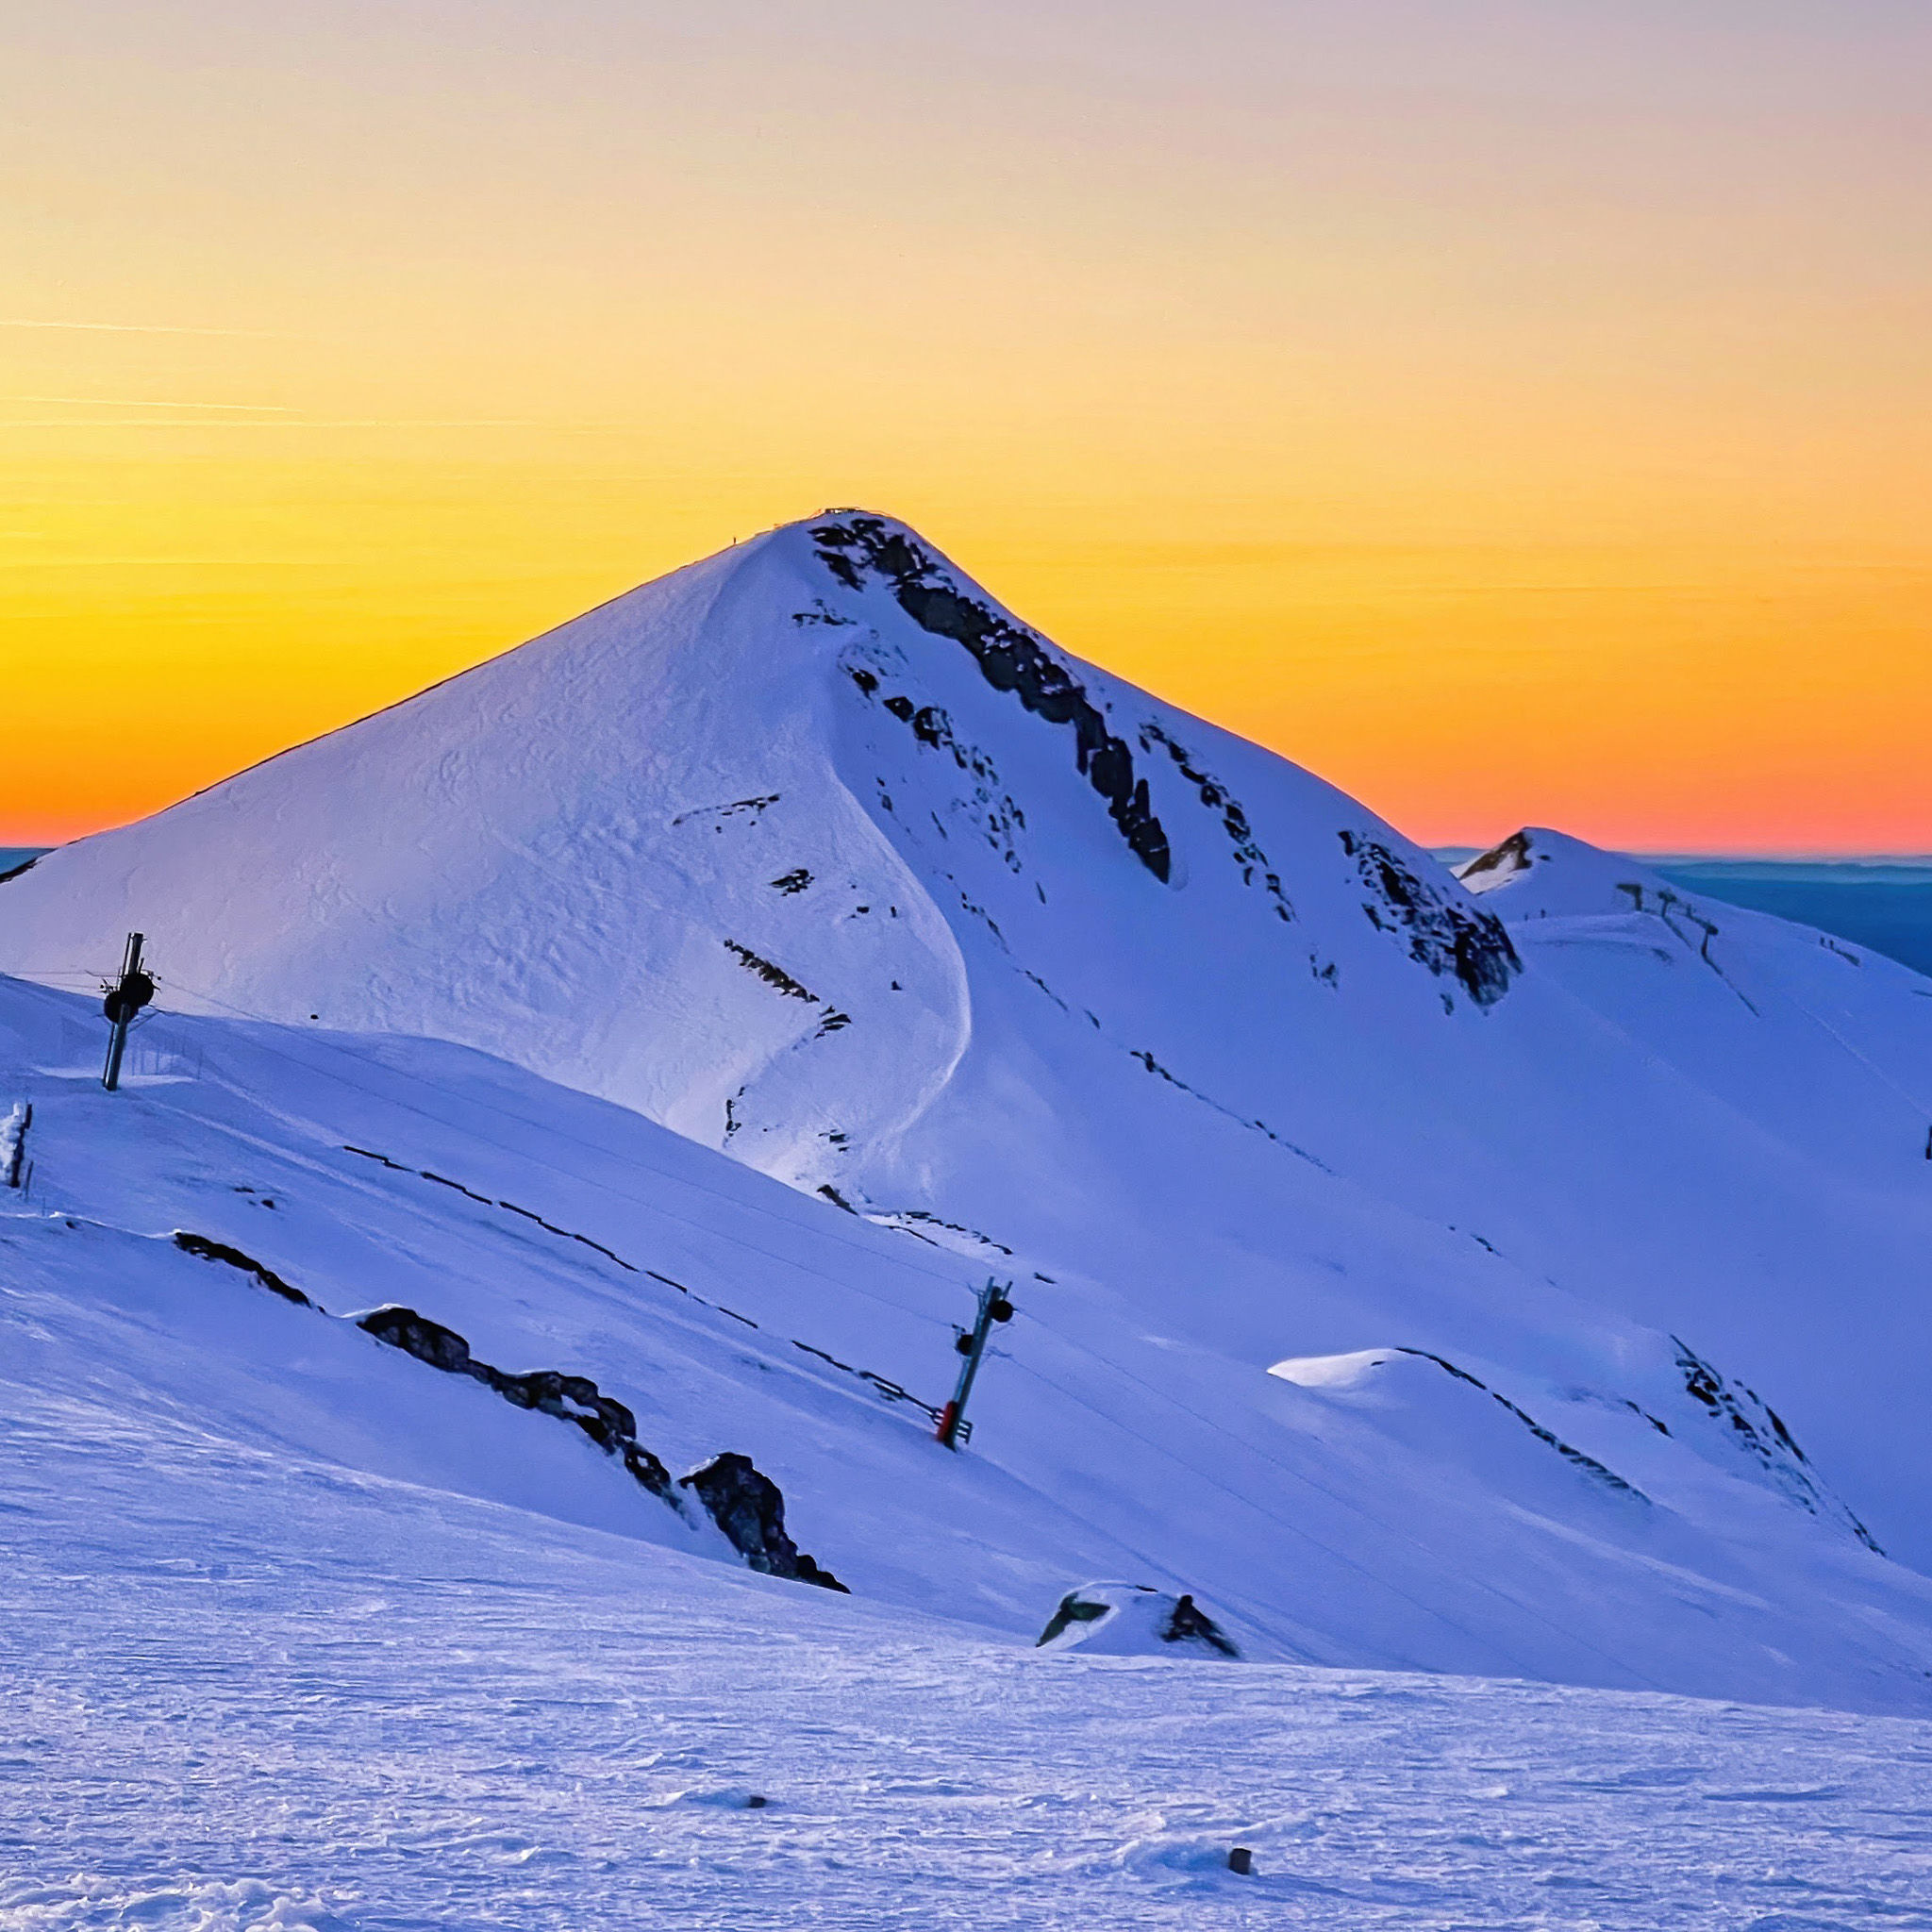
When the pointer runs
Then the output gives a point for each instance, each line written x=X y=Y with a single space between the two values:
x=1234 y=821
x=756 y=807
x=1505 y=861
x=1589 y=1464
x=1771 y=1445
x=1010 y=659
x=932 y=728
x=1073 y=1608
x=571 y=1398
x=773 y=976
x=1452 y=941
x=1241 y=1120
x=233 y=1258
x=428 y=1342
x=749 y=1508
x=1191 y=1623
x=1186 y=1621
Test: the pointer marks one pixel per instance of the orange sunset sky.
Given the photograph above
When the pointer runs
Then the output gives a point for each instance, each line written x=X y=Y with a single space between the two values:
x=1517 y=413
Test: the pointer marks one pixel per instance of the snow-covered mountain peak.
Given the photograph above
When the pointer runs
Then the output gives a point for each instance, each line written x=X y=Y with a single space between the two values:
x=816 y=855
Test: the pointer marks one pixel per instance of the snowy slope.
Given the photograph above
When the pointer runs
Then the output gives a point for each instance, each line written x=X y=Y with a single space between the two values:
x=253 y=1689
x=1589 y=1245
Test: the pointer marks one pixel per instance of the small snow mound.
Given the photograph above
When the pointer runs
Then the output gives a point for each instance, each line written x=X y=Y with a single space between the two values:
x=723 y=1797
x=1133 y=1620
x=1333 y=1371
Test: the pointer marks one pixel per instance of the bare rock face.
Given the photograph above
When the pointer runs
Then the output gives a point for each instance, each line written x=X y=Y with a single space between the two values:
x=750 y=1509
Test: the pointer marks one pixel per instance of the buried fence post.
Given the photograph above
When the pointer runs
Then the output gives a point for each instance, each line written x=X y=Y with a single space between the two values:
x=13 y=1130
x=994 y=1306
x=125 y=999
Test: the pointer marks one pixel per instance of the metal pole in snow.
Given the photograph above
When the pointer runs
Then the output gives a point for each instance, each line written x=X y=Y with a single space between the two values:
x=125 y=999
x=994 y=1306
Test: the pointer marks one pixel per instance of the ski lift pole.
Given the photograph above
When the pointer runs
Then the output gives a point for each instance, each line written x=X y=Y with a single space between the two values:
x=994 y=1306
x=125 y=999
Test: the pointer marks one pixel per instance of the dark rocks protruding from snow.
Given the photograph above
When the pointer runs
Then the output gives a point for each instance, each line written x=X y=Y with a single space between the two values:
x=1133 y=1620
x=1452 y=941
x=1191 y=1623
x=428 y=1342
x=1756 y=1430
x=1234 y=821
x=1010 y=659
x=1498 y=865
x=1589 y=1464
x=773 y=976
x=749 y=1508
x=571 y=1398
x=233 y=1258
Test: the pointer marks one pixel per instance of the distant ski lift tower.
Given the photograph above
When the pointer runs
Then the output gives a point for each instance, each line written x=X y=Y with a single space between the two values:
x=994 y=1306
x=125 y=999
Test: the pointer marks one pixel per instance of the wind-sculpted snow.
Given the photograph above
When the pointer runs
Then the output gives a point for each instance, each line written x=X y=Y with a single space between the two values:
x=1464 y=1520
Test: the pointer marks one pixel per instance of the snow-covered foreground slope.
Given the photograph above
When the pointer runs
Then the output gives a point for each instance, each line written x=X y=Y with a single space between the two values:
x=833 y=939
x=247 y=1687
x=1389 y=1508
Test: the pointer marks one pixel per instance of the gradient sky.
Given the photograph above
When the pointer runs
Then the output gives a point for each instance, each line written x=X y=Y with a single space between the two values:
x=1517 y=410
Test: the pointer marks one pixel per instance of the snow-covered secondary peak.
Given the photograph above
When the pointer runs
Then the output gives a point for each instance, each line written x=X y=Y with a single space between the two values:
x=1537 y=871
x=1583 y=1224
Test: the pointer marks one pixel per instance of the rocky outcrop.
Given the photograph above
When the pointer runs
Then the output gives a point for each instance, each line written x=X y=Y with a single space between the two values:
x=571 y=1398
x=749 y=1508
x=1452 y=941
x=1010 y=659
x=746 y=1504
x=233 y=1258
x=1133 y=1620
x=1754 y=1429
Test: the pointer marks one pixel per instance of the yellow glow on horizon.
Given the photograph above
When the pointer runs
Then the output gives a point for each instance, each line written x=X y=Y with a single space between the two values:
x=1551 y=446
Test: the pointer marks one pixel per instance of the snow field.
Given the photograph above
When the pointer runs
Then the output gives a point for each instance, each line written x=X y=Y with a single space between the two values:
x=250 y=1692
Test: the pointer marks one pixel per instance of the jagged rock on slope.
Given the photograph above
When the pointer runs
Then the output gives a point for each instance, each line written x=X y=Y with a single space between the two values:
x=750 y=1511
x=744 y=1504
